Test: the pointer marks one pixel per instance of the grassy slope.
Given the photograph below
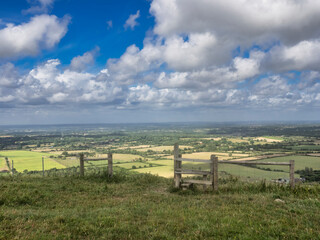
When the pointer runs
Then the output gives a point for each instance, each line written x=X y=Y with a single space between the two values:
x=142 y=207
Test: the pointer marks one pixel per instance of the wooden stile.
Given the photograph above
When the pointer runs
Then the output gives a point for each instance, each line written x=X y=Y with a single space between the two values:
x=109 y=162
x=213 y=173
x=178 y=171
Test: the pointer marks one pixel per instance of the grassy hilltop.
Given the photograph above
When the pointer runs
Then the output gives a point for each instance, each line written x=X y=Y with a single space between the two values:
x=143 y=206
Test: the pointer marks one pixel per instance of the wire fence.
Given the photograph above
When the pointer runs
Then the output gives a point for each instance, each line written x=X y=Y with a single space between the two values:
x=49 y=166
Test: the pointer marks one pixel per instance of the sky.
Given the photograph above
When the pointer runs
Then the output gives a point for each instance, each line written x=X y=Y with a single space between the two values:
x=121 y=61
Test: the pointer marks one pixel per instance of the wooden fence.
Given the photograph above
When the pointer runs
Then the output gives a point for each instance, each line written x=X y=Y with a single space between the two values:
x=109 y=163
x=213 y=173
x=246 y=163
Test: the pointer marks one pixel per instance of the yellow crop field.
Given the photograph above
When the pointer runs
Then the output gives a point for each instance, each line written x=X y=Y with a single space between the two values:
x=206 y=155
x=134 y=147
x=214 y=139
x=237 y=140
x=161 y=148
x=269 y=140
x=164 y=171
x=119 y=157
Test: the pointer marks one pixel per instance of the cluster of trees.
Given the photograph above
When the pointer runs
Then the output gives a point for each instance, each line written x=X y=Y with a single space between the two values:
x=309 y=174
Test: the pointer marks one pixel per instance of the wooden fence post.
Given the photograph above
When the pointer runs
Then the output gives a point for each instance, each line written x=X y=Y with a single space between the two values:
x=292 y=181
x=177 y=177
x=81 y=164
x=43 y=166
x=12 y=168
x=214 y=172
x=110 y=167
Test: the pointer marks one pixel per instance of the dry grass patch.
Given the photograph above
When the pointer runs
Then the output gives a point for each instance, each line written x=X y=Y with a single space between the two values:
x=134 y=147
x=163 y=171
x=237 y=140
x=269 y=140
x=205 y=155
x=162 y=148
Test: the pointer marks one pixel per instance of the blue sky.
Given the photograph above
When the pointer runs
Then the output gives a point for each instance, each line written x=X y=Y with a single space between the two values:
x=101 y=61
x=88 y=27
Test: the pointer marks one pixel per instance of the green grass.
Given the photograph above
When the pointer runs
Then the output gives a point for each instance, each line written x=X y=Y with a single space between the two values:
x=147 y=207
x=32 y=161
x=307 y=147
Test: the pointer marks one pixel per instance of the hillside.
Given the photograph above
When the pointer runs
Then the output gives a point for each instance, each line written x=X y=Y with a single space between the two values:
x=147 y=207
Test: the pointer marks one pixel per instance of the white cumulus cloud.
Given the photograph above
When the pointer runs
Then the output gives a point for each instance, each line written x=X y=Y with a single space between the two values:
x=28 y=39
x=80 y=63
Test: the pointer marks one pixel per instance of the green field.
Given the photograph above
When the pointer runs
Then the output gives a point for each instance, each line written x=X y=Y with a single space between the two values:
x=306 y=148
x=300 y=162
x=244 y=172
x=31 y=161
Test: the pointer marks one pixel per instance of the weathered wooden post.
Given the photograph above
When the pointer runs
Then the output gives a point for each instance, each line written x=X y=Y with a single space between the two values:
x=43 y=166
x=292 y=174
x=81 y=164
x=110 y=167
x=12 y=168
x=214 y=172
x=177 y=165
